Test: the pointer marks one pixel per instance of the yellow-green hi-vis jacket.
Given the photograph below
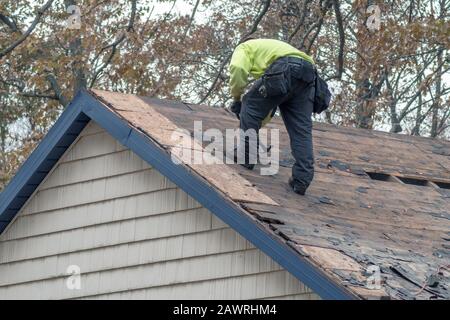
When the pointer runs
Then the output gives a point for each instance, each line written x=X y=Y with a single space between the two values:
x=253 y=57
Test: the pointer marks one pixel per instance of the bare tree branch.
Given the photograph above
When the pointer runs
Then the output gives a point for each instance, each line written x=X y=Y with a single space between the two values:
x=191 y=19
x=258 y=19
x=115 y=44
x=39 y=95
x=316 y=25
x=166 y=17
x=20 y=86
x=57 y=89
x=9 y=22
x=228 y=57
x=337 y=12
x=301 y=21
x=30 y=29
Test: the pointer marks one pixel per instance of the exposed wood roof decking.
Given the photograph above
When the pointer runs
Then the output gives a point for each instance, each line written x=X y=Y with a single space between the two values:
x=376 y=199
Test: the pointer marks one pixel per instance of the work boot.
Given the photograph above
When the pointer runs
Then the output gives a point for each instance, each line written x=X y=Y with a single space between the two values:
x=297 y=186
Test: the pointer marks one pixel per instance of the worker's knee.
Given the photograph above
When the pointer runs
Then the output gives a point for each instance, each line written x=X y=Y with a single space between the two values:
x=248 y=120
x=252 y=115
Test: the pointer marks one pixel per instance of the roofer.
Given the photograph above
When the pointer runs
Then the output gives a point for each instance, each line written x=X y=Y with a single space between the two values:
x=285 y=78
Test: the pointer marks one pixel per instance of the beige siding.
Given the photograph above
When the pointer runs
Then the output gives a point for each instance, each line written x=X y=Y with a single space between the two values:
x=132 y=233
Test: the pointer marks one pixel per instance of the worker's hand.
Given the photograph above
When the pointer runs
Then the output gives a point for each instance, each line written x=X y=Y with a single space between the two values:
x=236 y=108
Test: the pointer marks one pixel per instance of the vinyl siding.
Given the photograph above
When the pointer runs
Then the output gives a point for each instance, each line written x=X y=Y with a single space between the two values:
x=132 y=233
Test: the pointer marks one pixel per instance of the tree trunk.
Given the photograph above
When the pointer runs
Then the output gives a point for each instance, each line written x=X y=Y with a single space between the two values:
x=395 y=123
x=364 y=114
x=416 y=130
x=76 y=51
x=437 y=98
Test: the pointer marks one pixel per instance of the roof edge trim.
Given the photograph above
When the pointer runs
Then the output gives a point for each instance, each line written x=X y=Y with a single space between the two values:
x=85 y=107
x=228 y=211
x=47 y=153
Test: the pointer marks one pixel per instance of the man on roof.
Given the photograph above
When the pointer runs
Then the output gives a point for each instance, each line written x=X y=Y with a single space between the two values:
x=284 y=79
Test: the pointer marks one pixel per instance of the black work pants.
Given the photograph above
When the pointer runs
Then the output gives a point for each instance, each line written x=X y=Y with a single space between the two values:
x=295 y=101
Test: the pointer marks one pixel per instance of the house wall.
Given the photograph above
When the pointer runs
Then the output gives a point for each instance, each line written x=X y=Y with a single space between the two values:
x=132 y=233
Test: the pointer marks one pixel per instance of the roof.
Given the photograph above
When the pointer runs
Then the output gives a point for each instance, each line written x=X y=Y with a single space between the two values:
x=377 y=199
